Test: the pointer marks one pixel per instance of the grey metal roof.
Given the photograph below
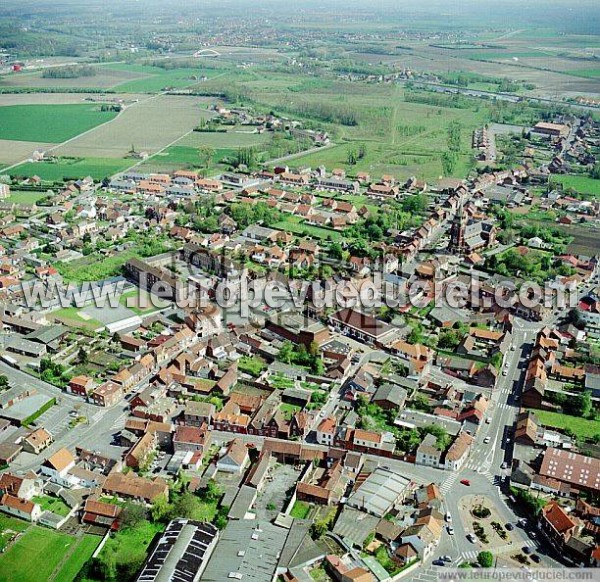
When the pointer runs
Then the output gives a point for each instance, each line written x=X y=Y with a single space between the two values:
x=379 y=492
x=243 y=502
x=247 y=547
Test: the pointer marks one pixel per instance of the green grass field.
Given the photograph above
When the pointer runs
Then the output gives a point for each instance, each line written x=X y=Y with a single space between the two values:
x=70 y=317
x=35 y=555
x=132 y=298
x=25 y=197
x=50 y=123
x=72 y=168
x=161 y=80
x=585 y=73
x=300 y=510
x=52 y=504
x=292 y=224
x=583 y=184
x=80 y=555
x=583 y=428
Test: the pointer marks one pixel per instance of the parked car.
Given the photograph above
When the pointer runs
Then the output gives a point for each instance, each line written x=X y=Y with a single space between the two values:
x=471 y=537
x=526 y=550
x=509 y=527
x=448 y=517
x=438 y=563
x=535 y=558
x=504 y=465
x=447 y=559
x=486 y=440
x=450 y=530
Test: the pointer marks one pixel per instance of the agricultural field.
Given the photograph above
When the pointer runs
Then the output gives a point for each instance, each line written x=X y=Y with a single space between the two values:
x=185 y=151
x=50 y=123
x=14 y=151
x=105 y=78
x=161 y=80
x=72 y=168
x=149 y=125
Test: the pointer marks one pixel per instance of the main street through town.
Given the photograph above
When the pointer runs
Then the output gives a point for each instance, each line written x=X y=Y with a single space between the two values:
x=485 y=473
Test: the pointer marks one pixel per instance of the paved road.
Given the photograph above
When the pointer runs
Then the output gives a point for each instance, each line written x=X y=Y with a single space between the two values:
x=484 y=467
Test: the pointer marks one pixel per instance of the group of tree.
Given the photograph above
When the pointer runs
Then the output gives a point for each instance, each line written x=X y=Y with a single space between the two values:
x=259 y=213
x=356 y=153
x=248 y=157
x=300 y=356
x=69 y=72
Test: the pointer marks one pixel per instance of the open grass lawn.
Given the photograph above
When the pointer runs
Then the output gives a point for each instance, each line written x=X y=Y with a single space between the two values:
x=25 y=197
x=73 y=168
x=12 y=523
x=79 y=556
x=132 y=299
x=50 y=123
x=35 y=555
x=292 y=224
x=52 y=504
x=583 y=184
x=70 y=317
x=300 y=510
x=580 y=426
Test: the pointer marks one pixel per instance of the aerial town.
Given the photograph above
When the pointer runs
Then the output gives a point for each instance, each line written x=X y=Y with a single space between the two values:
x=288 y=366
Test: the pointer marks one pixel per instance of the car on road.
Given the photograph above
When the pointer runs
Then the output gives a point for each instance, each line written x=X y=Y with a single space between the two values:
x=504 y=373
x=488 y=420
x=471 y=537
x=450 y=530
x=523 y=522
x=447 y=559
x=513 y=348
x=535 y=558
x=504 y=465
x=465 y=482
x=448 y=517
x=509 y=527
x=486 y=440
x=438 y=563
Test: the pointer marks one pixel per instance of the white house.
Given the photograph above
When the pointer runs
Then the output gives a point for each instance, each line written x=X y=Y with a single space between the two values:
x=458 y=453
x=235 y=459
x=57 y=468
x=20 y=507
x=326 y=431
